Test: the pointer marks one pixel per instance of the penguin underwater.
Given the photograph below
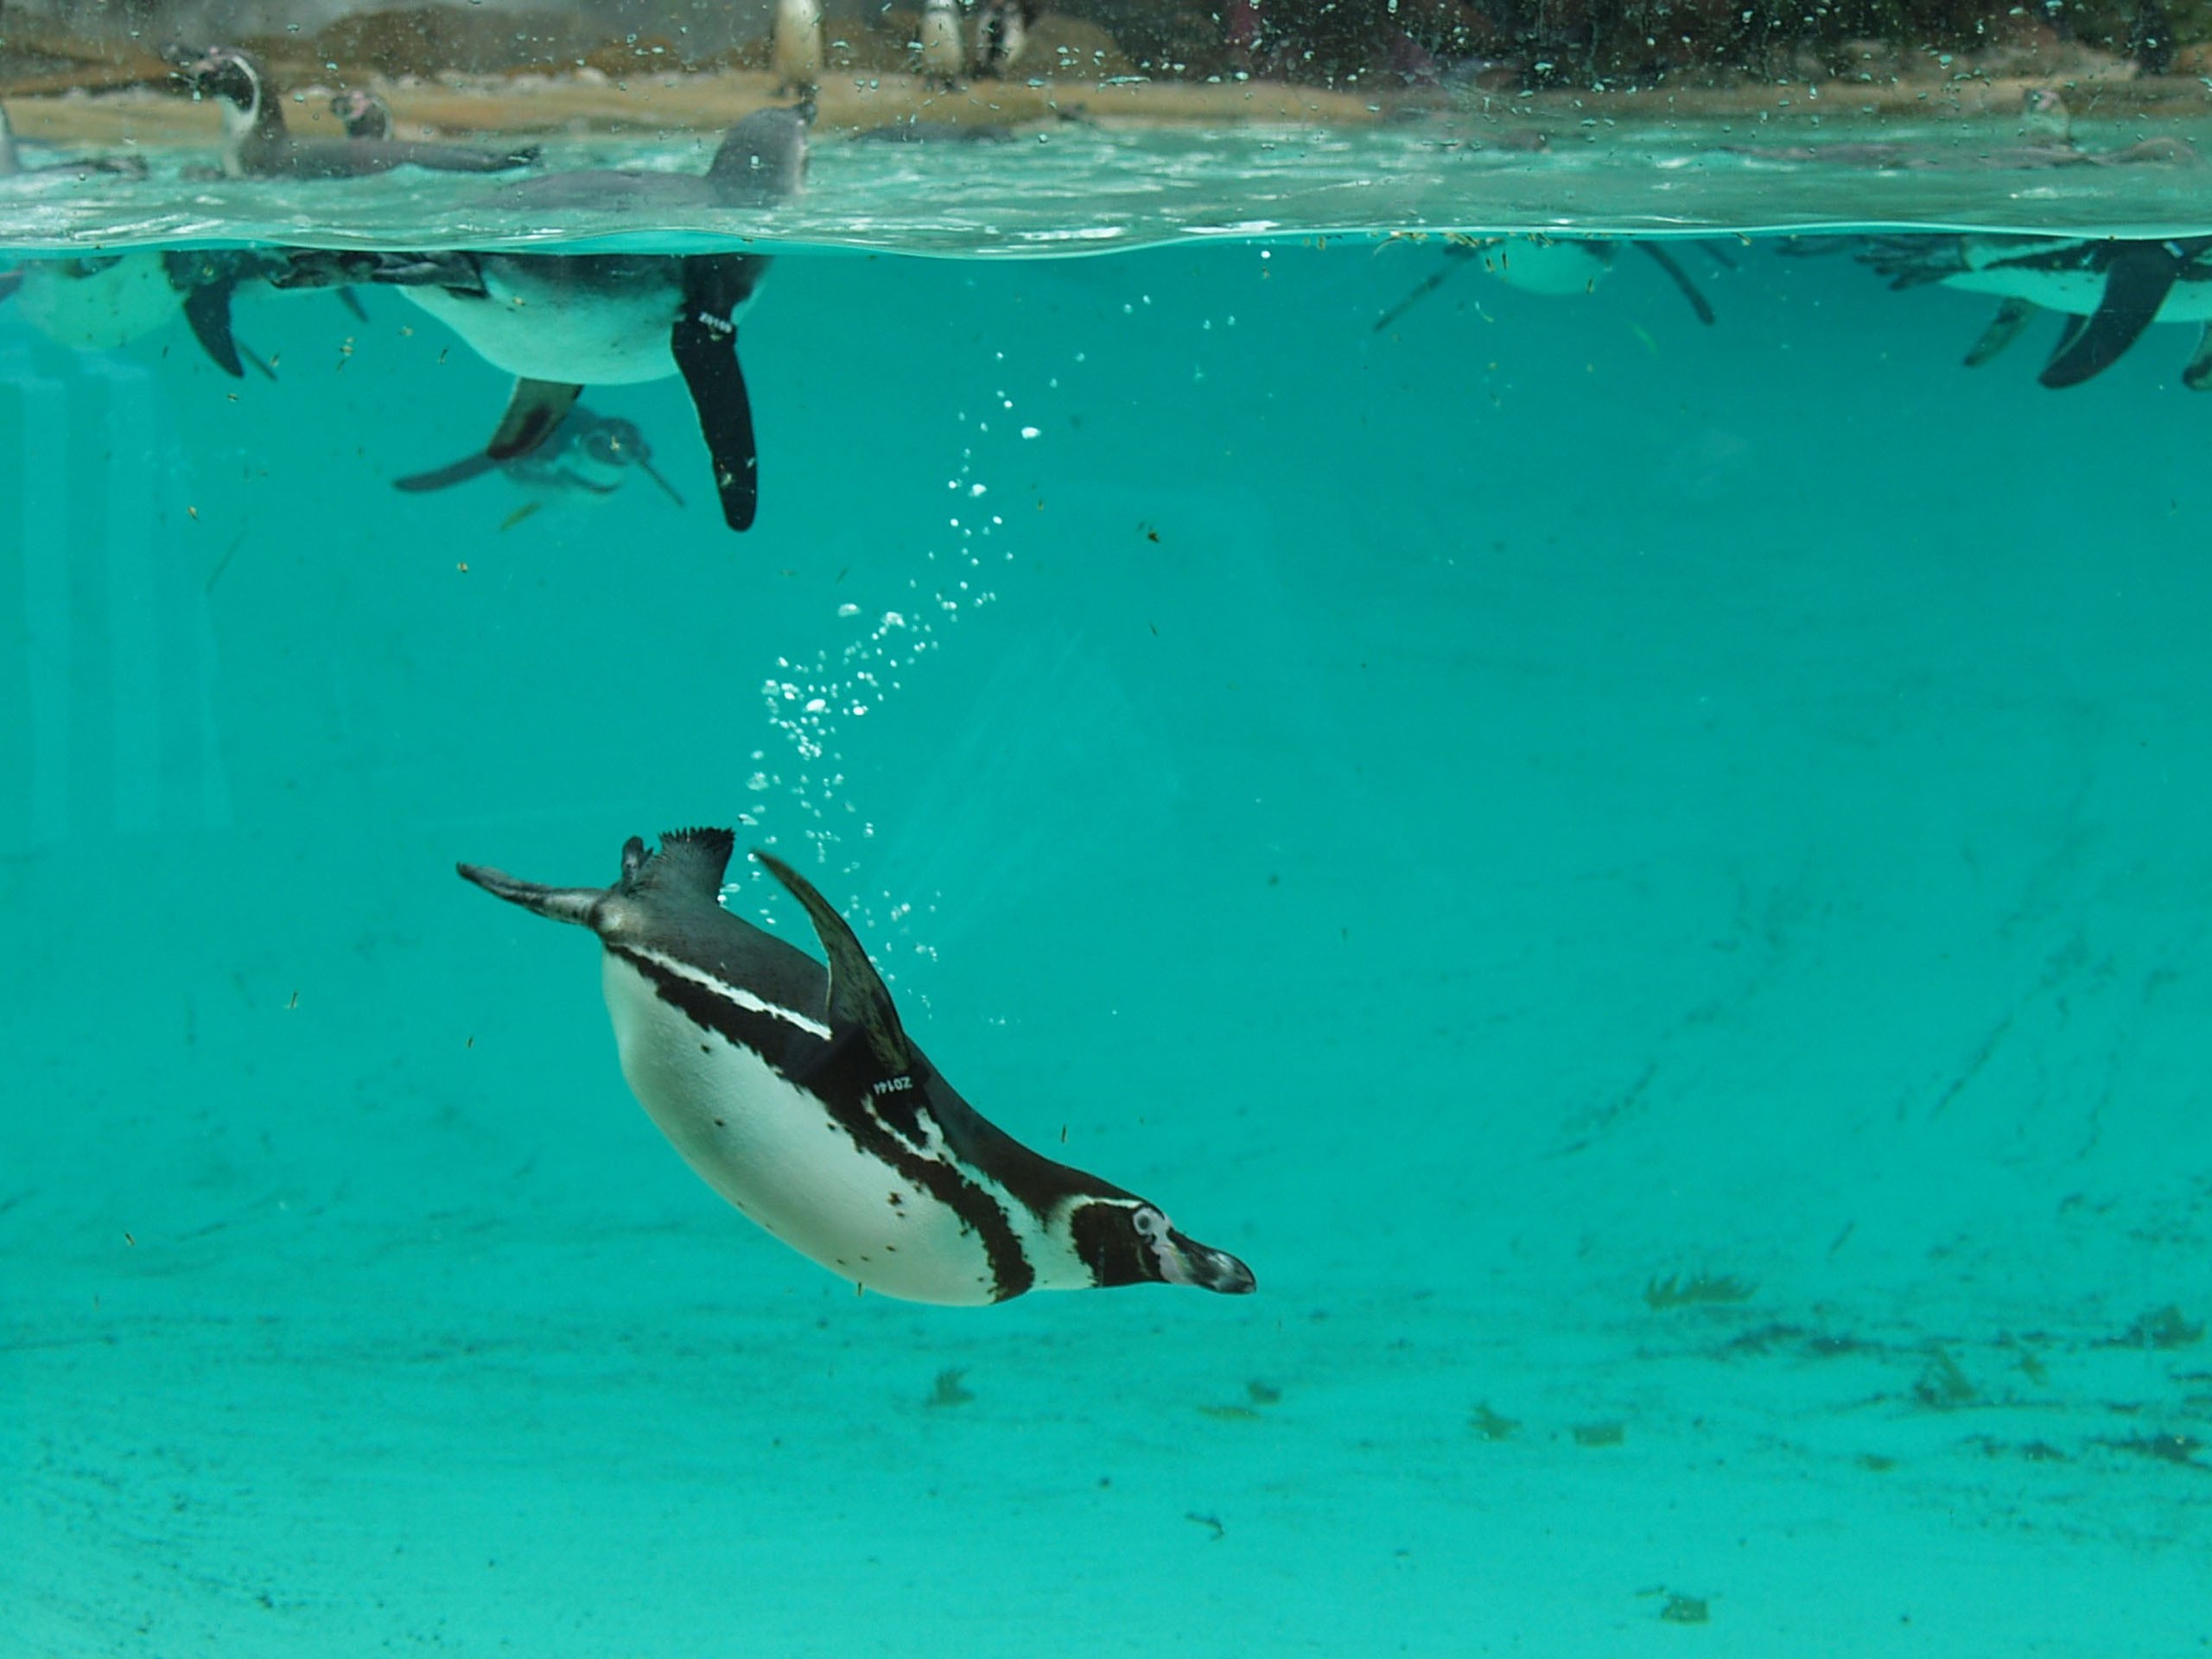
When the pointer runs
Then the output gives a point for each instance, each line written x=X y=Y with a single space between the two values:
x=794 y=1091
x=559 y=323
x=2109 y=290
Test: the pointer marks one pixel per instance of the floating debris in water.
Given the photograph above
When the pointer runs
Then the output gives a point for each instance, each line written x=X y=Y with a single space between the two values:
x=1492 y=1425
x=1942 y=1385
x=1699 y=1289
x=1599 y=1433
x=2163 y=1327
x=946 y=1390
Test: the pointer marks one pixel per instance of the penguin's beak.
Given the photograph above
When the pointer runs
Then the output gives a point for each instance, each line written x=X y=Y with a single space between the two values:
x=577 y=905
x=1211 y=1269
x=646 y=467
x=188 y=69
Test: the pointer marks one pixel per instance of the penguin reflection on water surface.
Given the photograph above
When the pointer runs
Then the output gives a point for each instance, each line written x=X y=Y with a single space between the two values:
x=559 y=323
x=795 y=1093
x=587 y=458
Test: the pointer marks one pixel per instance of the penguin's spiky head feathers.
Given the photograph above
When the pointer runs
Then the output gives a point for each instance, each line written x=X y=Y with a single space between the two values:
x=688 y=869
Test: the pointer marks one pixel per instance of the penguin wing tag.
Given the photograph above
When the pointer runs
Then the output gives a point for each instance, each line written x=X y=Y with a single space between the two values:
x=704 y=344
x=2135 y=286
x=536 y=409
x=858 y=996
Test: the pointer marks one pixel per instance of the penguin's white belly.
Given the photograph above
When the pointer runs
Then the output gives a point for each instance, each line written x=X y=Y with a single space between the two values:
x=770 y=1149
x=797 y=39
x=1536 y=266
x=593 y=337
x=2077 y=293
x=942 y=51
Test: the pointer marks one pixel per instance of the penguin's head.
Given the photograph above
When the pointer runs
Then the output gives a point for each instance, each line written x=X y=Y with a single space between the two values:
x=364 y=115
x=762 y=159
x=233 y=78
x=1122 y=1240
x=685 y=873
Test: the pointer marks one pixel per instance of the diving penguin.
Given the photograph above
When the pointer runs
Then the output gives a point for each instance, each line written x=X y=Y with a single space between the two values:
x=796 y=1094
x=559 y=323
x=2109 y=290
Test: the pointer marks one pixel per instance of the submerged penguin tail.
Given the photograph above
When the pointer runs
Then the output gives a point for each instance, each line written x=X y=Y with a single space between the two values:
x=577 y=905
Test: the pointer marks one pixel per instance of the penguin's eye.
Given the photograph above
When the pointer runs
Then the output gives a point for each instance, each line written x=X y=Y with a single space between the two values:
x=1148 y=1222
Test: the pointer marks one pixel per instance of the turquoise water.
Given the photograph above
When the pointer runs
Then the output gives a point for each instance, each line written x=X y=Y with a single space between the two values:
x=1482 y=819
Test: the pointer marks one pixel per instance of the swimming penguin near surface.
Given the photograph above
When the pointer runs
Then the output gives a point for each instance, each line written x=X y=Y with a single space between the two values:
x=258 y=145
x=1544 y=264
x=795 y=1092
x=1001 y=31
x=586 y=457
x=559 y=322
x=2109 y=290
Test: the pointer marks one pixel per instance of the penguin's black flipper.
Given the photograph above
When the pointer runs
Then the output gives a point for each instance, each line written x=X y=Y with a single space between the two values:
x=704 y=342
x=858 y=997
x=2012 y=316
x=443 y=478
x=351 y=301
x=536 y=409
x=1680 y=279
x=2136 y=284
x=208 y=308
x=2197 y=376
x=9 y=282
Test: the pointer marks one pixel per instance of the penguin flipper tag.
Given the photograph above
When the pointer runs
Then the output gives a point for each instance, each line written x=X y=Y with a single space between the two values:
x=2136 y=285
x=858 y=996
x=536 y=409
x=2012 y=316
x=704 y=344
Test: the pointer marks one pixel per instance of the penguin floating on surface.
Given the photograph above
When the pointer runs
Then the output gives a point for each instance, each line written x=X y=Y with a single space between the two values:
x=2110 y=291
x=258 y=145
x=795 y=1093
x=1547 y=264
x=559 y=323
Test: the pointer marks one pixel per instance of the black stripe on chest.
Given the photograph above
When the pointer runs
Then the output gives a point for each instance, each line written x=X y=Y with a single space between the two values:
x=837 y=1074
